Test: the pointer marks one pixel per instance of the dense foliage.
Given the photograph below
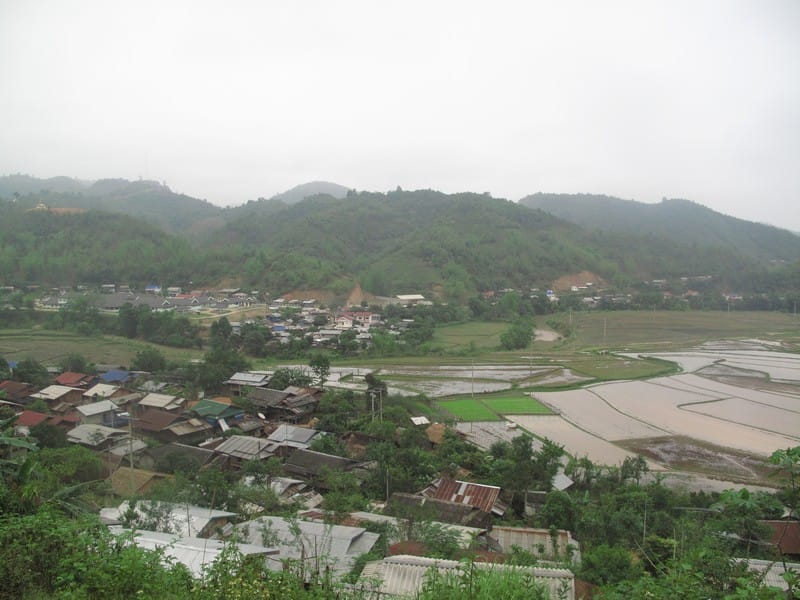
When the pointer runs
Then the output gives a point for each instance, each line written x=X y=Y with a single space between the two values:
x=399 y=242
x=680 y=221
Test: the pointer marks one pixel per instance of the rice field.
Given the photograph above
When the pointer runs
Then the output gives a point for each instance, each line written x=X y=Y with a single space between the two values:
x=652 y=403
x=516 y=405
x=663 y=329
x=775 y=365
x=467 y=409
x=575 y=441
x=49 y=347
x=729 y=419
x=478 y=335
x=745 y=412
x=596 y=416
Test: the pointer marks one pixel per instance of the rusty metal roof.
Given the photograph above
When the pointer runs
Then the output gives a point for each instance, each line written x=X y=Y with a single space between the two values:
x=480 y=496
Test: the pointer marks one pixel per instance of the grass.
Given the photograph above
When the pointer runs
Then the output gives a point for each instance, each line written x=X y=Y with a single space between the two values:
x=673 y=329
x=516 y=405
x=478 y=335
x=490 y=407
x=609 y=367
x=48 y=347
x=467 y=409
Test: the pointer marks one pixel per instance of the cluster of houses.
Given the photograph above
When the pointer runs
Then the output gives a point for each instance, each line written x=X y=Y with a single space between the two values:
x=138 y=426
x=285 y=318
x=112 y=297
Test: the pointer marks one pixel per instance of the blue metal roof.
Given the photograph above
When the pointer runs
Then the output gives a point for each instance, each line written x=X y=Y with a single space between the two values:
x=116 y=375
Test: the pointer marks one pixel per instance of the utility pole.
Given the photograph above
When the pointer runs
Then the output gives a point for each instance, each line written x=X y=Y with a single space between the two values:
x=472 y=380
x=130 y=451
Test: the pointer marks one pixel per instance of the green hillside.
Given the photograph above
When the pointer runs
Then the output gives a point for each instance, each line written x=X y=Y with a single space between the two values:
x=313 y=188
x=151 y=201
x=680 y=221
x=148 y=200
x=41 y=247
x=455 y=244
x=447 y=246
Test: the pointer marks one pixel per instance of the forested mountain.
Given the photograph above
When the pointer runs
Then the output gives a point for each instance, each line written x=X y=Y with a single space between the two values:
x=314 y=188
x=455 y=244
x=148 y=200
x=681 y=221
x=450 y=246
x=47 y=248
x=12 y=186
x=151 y=200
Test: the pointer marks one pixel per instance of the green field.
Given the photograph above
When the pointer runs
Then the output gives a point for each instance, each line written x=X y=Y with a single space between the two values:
x=516 y=405
x=479 y=335
x=674 y=329
x=609 y=367
x=50 y=346
x=490 y=407
x=467 y=409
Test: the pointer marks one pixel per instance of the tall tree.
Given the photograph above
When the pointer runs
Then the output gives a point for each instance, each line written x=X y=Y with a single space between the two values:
x=321 y=365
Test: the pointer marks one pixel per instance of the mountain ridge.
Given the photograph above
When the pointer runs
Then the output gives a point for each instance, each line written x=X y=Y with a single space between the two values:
x=452 y=244
x=679 y=220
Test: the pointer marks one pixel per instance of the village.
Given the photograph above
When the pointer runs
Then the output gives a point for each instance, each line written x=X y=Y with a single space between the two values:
x=328 y=471
x=138 y=427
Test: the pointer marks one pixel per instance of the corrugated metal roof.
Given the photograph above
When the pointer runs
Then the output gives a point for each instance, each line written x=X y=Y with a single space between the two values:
x=190 y=426
x=480 y=496
x=307 y=462
x=195 y=553
x=184 y=519
x=102 y=390
x=128 y=447
x=16 y=390
x=153 y=386
x=72 y=378
x=299 y=437
x=245 y=447
x=210 y=408
x=247 y=378
x=54 y=392
x=466 y=535
x=30 y=418
x=404 y=575
x=154 y=419
x=265 y=397
x=785 y=535
x=165 y=401
x=116 y=375
x=125 y=480
x=773 y=570
x=97 y=408
x=530 y=539
x=93 y=435
x=333 y=546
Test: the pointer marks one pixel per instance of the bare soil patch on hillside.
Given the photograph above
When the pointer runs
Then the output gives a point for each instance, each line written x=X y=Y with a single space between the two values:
x=565 y=282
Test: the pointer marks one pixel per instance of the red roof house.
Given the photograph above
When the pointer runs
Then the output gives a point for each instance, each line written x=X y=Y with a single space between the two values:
x=30 y=418
x=16 y=391
x=482 y=497
x=785 y=535
x=75 y=380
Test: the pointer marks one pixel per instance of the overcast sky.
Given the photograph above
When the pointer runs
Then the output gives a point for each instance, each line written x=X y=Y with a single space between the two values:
x=229 y=101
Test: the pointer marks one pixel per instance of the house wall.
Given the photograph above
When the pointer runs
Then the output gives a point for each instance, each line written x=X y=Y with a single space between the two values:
x=91 y=419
